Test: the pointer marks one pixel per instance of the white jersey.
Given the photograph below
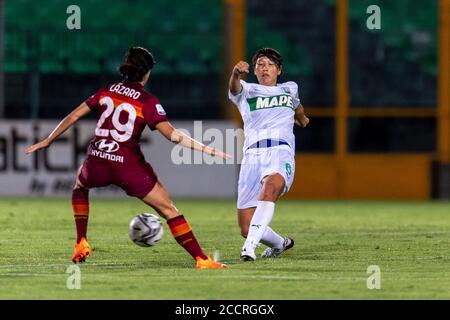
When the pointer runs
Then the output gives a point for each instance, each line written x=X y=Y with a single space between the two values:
x=268 y=111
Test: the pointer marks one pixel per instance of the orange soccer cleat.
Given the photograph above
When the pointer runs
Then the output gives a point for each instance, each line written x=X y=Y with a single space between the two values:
x=209 y=264
x=82 y=250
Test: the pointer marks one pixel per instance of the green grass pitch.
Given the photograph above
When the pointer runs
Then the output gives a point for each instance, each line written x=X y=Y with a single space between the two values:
x=336 y=241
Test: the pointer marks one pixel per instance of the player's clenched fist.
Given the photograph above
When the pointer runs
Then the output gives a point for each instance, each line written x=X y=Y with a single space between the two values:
x=241 y=67
x=234 y=83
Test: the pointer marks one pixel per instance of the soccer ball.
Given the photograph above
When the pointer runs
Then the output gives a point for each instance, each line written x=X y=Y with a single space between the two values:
x=145 y=229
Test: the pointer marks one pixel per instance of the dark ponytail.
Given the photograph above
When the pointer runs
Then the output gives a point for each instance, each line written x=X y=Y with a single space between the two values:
x=138 y=61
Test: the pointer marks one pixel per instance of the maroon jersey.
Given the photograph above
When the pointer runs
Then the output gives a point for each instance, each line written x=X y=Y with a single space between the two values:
x=124 y=109
x=114 y=155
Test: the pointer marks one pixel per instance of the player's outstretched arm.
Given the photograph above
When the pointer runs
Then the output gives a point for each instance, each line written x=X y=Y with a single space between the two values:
x=300 y=118
x=65 y=124
x=178 y=137
x=234 y=83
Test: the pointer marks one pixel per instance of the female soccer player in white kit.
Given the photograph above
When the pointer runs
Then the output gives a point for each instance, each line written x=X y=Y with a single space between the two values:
x=269 y=111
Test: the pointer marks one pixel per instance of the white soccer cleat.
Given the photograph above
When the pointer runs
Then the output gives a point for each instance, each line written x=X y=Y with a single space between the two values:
x=248 y=251
x=275 y=252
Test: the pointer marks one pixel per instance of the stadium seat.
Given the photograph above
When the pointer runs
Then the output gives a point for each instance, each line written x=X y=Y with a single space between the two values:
x=105 y=30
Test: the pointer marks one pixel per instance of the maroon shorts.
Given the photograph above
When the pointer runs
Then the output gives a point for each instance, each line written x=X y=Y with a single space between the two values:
x=137 y=179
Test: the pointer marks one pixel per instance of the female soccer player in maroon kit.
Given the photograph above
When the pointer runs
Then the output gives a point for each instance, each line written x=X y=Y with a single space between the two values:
x=114 y=156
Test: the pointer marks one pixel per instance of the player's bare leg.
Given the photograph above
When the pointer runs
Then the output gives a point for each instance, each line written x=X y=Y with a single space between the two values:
x=258 y=229
x=244 y=218
x=80 y=207
x=159 y=199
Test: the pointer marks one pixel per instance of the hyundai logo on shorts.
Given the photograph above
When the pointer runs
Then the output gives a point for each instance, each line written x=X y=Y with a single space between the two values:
x=107 y=145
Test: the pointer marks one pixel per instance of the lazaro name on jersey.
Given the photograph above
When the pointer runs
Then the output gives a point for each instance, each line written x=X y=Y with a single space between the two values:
x=123 y=90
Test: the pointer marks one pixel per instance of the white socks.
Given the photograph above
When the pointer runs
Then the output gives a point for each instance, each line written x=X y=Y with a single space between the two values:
x=260 y=221
x=272 y=239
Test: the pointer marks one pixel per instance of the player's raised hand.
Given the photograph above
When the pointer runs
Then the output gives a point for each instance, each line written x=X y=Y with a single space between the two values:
x=241 y=67
x=35 y=147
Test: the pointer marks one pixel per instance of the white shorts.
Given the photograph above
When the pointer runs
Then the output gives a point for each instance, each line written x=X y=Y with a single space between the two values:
x=259 y=163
